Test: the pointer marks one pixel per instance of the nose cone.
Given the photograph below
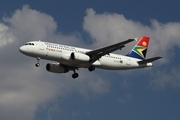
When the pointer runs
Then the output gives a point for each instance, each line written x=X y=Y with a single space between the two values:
x=22 y=49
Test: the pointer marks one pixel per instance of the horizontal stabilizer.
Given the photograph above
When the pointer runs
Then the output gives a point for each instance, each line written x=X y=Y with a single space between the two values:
x=149 y=60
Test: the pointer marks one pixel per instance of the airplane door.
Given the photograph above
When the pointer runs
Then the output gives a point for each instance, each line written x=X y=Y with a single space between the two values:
x=128 y=62
x=41 y=45
x=42 y=51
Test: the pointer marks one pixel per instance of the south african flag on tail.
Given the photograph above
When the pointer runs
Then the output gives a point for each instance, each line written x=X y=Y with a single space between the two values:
x=140 y=49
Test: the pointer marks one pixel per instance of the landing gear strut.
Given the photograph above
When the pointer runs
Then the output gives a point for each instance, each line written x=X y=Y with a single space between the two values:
x=38 y=64
x=75 y=75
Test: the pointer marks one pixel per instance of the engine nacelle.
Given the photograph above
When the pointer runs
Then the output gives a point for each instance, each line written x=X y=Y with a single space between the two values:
x=56 y=68
x=76 y=56
x=66 y=56
x=80 y=57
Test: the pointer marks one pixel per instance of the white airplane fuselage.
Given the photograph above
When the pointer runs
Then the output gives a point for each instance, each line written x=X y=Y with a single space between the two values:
x=62 y=54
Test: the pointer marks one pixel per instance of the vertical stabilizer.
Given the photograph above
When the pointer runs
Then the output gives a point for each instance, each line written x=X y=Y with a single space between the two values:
x=140 y=49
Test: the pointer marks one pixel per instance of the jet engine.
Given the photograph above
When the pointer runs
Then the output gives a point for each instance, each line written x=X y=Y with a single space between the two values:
x=76 y=56
x=80 y=57
x=56 y=68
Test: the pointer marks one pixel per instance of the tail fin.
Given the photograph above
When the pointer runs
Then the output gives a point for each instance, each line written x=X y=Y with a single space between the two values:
x=140 y=49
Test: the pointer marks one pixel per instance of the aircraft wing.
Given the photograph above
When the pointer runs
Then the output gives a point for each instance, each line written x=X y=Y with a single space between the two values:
x=96 y=54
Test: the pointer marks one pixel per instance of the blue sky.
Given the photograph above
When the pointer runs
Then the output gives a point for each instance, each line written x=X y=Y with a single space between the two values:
x=31 y=93
x=69 y=14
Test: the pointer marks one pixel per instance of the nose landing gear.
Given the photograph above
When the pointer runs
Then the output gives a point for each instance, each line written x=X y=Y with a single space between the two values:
x=38 y=64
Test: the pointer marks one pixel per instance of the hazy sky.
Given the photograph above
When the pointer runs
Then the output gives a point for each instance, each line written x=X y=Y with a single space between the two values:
x=30 y=93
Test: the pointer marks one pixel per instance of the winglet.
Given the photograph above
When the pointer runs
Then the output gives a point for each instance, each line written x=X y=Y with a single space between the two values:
x=136 y=39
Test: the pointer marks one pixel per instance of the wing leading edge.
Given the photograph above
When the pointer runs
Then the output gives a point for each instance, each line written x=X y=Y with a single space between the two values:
x=98 y=53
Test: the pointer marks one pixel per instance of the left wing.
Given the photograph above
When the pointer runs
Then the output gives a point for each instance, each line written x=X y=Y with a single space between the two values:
x=96 y=54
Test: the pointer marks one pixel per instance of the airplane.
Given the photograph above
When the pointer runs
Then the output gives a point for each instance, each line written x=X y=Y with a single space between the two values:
x=69 y=58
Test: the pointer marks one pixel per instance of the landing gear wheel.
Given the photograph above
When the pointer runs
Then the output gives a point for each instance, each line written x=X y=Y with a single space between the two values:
x=75 y=75
x=37 y=64
x=91 y=68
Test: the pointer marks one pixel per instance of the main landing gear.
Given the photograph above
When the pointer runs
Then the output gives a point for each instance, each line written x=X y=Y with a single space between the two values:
x=38 y=64
x=91 y=68
x=75 y=75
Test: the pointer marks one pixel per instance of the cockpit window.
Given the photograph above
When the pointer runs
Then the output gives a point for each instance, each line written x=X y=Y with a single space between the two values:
x=29 y=44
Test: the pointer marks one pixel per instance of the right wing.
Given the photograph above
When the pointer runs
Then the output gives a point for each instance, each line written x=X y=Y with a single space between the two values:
x=96 y=54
